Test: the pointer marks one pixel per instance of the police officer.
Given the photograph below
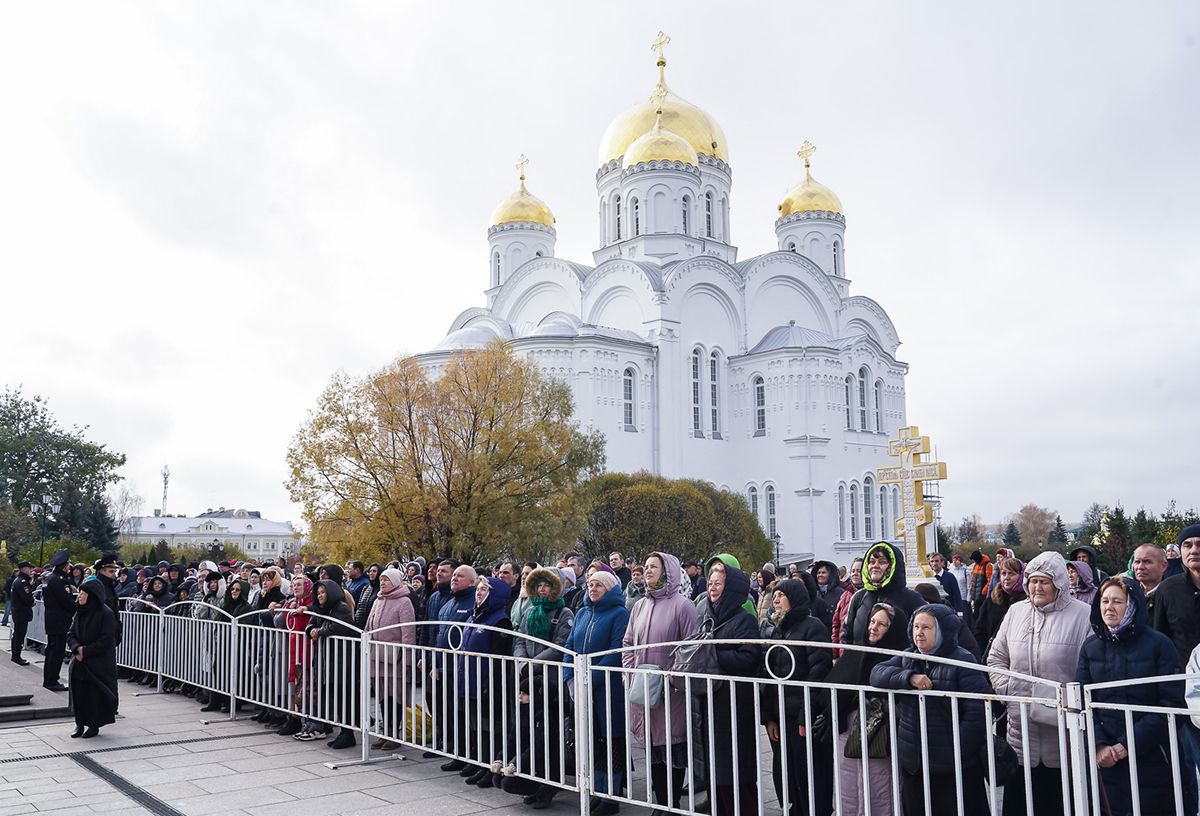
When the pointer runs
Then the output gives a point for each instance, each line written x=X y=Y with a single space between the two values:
x=106 y=571
x=22 y=610
x=59 y=598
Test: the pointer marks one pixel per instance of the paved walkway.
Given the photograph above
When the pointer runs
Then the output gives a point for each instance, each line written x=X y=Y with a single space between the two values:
x=159 y=759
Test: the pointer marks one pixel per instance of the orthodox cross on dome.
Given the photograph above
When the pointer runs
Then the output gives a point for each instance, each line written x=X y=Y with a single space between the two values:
x=914 y=514
x=521 y=165
x=659 y=44
x=660 y=93
x=806 y=150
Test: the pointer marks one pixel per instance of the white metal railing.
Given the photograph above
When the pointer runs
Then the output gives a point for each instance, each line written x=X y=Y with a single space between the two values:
x=470 y=707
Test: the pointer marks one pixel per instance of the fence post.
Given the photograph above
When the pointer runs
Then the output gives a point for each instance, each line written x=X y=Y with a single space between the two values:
x=1079 y=765
x=233 y=668
x=364 y=685
x=162 y=650
x=583 y=722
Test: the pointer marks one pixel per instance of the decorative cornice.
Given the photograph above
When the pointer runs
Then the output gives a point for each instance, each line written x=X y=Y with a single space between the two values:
x=609 y=166
x=521 y=225
x=811 y=215
x=710 y=161
x=650 y=166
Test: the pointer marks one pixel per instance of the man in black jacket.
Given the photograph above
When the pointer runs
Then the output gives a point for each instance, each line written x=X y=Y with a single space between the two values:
x=1177 y=615
x=22 y=610
x=60 y=608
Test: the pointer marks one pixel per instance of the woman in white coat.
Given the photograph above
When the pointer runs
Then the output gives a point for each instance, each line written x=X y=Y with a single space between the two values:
x=1041 y=637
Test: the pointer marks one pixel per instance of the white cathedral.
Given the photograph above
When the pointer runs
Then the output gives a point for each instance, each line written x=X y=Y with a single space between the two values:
x=761 y=375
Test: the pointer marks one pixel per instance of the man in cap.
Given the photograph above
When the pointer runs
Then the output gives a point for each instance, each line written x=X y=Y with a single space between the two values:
x=106 y=572
x=22 y=611
x=60 y=608
x=699 y=583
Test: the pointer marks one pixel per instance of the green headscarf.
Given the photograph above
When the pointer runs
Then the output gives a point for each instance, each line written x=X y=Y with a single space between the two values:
x=537 y=623
x=887 y=576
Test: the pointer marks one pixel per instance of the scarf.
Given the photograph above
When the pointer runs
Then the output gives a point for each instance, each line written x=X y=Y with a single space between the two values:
x=537 y=624
x=1125 y=621
x=304 y=597
x=777 y=617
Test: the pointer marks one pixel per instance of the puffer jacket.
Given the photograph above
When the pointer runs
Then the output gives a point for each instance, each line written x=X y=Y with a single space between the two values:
x=981 y=577
x=730 y=621
x=897 y=673
x=804 y=663
x=1135 y=652
x=600 y=627
x=893 y=589
x=1042 y=642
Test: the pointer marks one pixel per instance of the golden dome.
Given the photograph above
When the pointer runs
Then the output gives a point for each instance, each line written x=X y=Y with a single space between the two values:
x=681 y=118
x=661 y=145
x=523 y=206
x=809 y=196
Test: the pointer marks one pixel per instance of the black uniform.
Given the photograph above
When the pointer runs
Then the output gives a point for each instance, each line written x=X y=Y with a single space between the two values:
x=60 y=608
x=22 y=614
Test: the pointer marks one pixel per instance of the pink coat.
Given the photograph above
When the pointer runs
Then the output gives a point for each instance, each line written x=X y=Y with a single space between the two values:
x=663 y=616
x=389 y=609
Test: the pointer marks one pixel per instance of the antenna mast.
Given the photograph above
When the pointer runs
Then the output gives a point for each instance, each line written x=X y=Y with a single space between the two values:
x=166 y=474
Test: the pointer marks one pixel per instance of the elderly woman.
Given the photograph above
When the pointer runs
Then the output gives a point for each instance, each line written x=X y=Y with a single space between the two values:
x=1124 y=647
x=934 y=632
x=1083 y=584
x=391 y=665
x=663 y=616
x=92 y=643
x=1040 y=637
x=293 y=617
x=329 y=601
x=1008 y=590
x=488 y=632
x=733 y=701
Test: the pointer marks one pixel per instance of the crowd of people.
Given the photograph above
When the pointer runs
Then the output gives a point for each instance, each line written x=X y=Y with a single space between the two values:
x=494 y=650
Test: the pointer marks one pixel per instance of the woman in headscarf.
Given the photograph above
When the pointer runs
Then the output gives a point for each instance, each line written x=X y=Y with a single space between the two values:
x=77 y=576
x=270 y=595
x=886 y=629
x=488 y=632
x=792 y=620
x=127 y=586
x=254 y=578
x=663 y=616
x=92 y=643
x=292 y=615
x=1083 y=582
x=1008 y=590
x=1124 y=647
x=416 y=586
x=340 y=677
x=391 y=665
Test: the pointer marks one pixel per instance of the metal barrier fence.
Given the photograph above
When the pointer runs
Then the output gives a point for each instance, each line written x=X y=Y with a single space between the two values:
x=573 y=721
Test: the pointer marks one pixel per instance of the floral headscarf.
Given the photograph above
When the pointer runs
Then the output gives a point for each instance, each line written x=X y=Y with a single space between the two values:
x=304 y=596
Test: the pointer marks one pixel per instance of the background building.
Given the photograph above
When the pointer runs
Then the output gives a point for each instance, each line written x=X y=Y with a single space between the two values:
x=259 y=538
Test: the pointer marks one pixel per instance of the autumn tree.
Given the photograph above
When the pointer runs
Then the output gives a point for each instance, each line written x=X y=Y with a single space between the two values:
x=1034 y=523
x=970 y=529
x=479 y=459
x=639 y=513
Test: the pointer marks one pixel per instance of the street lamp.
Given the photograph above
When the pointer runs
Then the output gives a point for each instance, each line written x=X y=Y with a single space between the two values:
x=777 y=566
x=43 y=507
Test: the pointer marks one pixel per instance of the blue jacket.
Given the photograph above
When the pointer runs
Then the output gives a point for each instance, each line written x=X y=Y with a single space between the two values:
x=1135 y=652
x=456 y=608
x=897 y=673
x=953 y=592
x=478 y=641
x=600 y=626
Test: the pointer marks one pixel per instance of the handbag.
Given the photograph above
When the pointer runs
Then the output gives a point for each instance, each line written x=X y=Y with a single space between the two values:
x=697 y=656
x=645 y=690
x=878 y=738
x=1007 y=766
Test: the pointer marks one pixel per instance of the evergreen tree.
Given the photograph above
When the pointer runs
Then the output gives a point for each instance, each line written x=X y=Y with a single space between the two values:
x=99 y=529
x=162 y=552
x=1012 y=538
x=1118 y=546
x=1059 y=534
x=1145 y=527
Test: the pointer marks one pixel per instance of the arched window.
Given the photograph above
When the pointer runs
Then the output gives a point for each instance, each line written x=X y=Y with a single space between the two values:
x=637 y=218
x=752 y=493
x=868 y=521
x=760 y=407
x=883 y=528
x=895 y=506
x=496 y=269
x=708 y=214
x=791 y=246
x=771 y=526
x=687 y=202
x=696 y=393
x=837 y=265
x=879 y=406
x=628 y=400
x=618 y=218
x=862 y=399
x=853 y=512
x=849 y=402
x=841 y=512
x=713 y=386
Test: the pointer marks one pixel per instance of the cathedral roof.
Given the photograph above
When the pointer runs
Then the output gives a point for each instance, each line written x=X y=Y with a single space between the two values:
x=809 y=195
x=793 y=336
x=523 y=206
x=660 y=144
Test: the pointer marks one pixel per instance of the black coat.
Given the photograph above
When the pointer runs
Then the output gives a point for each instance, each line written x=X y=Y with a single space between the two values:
x=732 y=622
x=893 y=589
x=990 y=616
x=805 y=663
x=1133 y=653
x=94 y=679
x=1177 y=613
x=898 y=672
x=22 y=599
x=109 y=587
x=59 y=602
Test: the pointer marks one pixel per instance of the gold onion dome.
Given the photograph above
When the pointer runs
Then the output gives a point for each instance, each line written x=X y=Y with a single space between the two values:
x=523 y=206
x=661 y=145
x=809 y=195
x=679 y=117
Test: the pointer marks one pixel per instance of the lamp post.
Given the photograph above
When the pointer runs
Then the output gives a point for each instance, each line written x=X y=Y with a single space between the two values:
x=42 y=508
x=777 y=566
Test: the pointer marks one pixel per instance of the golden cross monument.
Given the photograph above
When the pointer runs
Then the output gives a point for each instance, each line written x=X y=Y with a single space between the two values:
x=806 y=150
x=521 y=165
x=659 y=44
x=910 y=446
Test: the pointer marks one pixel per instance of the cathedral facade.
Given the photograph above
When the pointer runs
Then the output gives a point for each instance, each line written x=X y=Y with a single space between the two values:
x=761 y=375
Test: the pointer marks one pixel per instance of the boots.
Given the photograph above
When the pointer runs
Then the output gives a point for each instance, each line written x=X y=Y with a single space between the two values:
x=291 y=728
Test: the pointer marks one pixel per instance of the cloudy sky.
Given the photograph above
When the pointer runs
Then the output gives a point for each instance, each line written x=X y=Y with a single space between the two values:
x=208 y=208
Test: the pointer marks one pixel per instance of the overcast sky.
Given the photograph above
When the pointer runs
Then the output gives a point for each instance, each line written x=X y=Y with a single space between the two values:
x=208 y=208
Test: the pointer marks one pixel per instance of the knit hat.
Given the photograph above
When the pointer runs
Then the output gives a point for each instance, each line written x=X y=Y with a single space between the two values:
x=606 y=579
x=1189 y=532
x=395 y=576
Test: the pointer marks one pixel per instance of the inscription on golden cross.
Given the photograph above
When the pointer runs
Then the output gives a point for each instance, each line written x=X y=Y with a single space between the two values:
x=914 y=515
x=521 y=165
x=660 y=43
x=806 y=150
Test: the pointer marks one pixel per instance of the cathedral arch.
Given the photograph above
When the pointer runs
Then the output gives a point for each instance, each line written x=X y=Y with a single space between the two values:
x=707 y=309
x=781 y=298
x=539 y=300
x=618 y=308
